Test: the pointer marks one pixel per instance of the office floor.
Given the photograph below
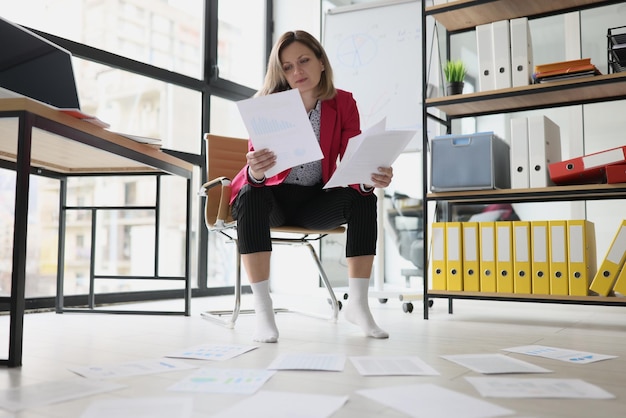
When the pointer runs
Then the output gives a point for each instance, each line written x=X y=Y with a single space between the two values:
x=54 y=342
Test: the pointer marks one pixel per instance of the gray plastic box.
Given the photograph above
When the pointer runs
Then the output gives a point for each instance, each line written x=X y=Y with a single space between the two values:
x=479 y=161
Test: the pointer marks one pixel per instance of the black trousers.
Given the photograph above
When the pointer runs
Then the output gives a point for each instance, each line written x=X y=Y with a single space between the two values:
x=256 y=209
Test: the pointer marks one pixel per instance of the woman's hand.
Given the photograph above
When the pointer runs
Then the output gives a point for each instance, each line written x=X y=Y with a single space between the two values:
x=260 y=161
x=383 y=178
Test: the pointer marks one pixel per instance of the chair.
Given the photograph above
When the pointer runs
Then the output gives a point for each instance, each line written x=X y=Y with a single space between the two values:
x=225 y=156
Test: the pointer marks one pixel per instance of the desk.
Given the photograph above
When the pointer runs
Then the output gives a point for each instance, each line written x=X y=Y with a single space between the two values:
x=53 y=141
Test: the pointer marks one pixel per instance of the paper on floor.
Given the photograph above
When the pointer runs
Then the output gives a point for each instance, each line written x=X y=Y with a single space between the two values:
x=135 y=368
x=494 y=364
x=215 y=352
x=266 y=404
x=392 y=366
x=32 y=396
x=432 y=401
x=563 y=354
x=309 y=361
x=214 y=380
x=512 y=387
x=152 y=407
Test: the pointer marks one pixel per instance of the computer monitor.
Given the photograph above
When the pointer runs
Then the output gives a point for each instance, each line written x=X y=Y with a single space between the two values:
x=35 y=67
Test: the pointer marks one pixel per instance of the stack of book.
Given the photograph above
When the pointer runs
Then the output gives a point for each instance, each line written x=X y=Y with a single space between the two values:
x=564 y=70
x=617 y=49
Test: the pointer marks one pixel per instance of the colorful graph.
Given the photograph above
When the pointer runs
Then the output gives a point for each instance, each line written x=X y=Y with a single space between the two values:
x=216 y=380
x=264 y=126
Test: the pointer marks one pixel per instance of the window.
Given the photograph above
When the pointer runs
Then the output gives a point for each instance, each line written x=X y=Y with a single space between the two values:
x=138 y=105
x=225 y=118
x=241 y=42
x=124 y=27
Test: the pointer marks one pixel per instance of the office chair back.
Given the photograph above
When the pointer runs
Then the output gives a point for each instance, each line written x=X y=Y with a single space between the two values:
x=224 y=157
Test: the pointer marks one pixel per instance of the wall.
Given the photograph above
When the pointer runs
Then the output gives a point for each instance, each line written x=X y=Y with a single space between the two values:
x=301 y=14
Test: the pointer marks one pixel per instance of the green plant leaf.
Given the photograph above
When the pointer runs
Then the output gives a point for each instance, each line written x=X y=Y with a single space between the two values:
x=454 y=71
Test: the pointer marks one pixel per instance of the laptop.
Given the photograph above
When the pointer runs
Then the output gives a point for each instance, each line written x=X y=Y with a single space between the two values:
x=35 y=67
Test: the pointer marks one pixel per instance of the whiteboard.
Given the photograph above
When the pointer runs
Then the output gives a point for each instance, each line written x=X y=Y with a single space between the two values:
x=375 y=53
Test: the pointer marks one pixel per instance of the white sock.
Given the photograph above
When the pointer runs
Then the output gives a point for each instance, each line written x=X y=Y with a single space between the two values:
x=266 y=330
x=357 y=310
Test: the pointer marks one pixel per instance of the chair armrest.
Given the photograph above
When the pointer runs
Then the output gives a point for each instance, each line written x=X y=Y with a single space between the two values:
x=219 y=181
x=222 y=207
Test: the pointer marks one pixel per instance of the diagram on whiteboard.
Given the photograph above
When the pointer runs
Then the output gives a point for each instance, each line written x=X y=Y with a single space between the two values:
x=356 y=51
x=376 y=55
x=370 y=66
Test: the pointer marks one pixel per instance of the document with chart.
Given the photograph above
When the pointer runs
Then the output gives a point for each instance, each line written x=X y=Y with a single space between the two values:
x=562 y=354
x=279 y=122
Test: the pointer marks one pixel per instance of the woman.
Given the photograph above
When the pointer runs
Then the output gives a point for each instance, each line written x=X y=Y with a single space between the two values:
x=296 y=197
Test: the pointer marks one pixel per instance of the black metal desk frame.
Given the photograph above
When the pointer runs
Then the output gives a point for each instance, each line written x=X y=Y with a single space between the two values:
x=27 y=121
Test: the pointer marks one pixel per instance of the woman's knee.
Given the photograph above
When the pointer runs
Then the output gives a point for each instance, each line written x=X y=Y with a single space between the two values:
x=250 y=198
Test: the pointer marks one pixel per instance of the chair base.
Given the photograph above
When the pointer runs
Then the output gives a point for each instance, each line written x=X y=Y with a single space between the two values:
x=229 y=322
x=228 y=318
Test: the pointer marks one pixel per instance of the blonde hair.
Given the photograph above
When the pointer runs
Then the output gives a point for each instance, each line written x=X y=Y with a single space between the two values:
x=275 y=80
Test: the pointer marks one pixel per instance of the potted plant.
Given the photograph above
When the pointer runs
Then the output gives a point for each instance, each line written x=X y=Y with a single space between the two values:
x=454 y=72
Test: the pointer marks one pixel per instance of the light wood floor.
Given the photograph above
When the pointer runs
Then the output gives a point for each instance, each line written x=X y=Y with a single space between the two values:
x=55 y=342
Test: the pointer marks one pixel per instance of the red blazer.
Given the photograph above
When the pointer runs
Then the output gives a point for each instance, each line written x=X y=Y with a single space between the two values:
x=340 y=122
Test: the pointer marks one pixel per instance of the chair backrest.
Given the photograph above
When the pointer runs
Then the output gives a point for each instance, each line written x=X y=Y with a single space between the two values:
x=225 y=156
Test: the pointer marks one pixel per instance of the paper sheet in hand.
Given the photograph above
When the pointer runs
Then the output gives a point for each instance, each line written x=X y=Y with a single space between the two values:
x=366 y=152
x=279 y=122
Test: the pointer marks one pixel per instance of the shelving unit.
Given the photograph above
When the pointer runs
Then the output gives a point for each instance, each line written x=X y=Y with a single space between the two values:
x=554 y=193
x=463 y=15
x=514 y=297
x=467 y=14
x=536 y=96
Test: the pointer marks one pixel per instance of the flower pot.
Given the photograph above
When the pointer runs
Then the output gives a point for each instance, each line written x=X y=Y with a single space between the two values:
x=455 y=87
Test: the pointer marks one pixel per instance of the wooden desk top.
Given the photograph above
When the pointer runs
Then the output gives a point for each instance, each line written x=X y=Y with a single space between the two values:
x=64 y=144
